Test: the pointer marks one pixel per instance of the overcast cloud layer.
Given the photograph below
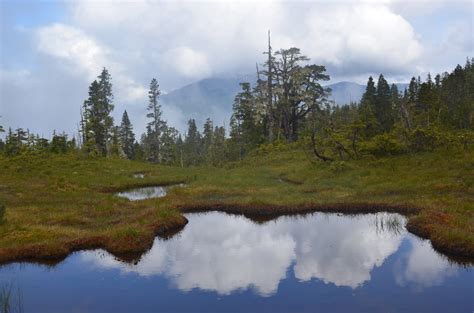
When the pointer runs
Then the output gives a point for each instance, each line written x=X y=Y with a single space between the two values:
x=50 y=52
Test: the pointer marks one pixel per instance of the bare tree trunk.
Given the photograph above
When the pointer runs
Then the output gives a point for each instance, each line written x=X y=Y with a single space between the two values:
x=341 y=148
x=315 y=151
x=405 y=114
x=354 y=140
x=270 y=95
x=83 y=131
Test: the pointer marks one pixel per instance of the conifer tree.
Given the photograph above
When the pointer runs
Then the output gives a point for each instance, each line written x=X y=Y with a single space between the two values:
x=367 y=109
x=383 y=105
x=208 y=138
x=169 y=151
x=59 y=143
x=192 y=144
x=218 y=146
x=127 y=137
x=156 y=125
x=246 y=123
x=97 y=121
x=413 y=90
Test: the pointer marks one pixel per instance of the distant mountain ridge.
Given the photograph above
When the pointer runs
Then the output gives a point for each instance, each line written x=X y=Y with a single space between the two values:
x=346 y=92
x=213 y=97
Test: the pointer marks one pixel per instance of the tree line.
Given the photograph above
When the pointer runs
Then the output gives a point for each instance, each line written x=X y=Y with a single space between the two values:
x=287 y=104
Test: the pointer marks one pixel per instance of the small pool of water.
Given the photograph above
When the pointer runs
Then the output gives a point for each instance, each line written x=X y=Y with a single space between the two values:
x=138 y=175
x=227 y=263
x=147 y=192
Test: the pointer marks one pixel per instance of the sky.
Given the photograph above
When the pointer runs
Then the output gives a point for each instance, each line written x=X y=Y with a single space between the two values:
x=50 y=51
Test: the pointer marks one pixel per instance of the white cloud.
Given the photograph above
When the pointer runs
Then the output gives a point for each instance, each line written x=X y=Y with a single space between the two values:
x=81 y=55
x=188 y=62
x=424 y=7
x=179 y=42
x=200 y=38
x=72 y=46
x=424 y=267
x=224 y=253
x=362 y=38
x=342 y=250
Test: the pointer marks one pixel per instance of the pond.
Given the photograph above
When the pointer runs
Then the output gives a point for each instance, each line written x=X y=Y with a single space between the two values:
x=225 y=263
x=147 y=192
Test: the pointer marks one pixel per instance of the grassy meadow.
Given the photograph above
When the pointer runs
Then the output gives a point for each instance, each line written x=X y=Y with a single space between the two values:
x=59 y=204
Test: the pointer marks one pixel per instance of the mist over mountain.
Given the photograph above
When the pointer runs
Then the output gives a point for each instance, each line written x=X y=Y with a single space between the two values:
x=210 y=97
x=213 y=98
x=346 y=92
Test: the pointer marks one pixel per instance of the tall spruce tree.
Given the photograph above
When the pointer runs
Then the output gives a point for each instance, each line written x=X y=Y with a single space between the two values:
x=192 y=144
x=156 y=125
x=367 y=109
x=383 y=105
x=413 y=90
x=127 y=137
x=247 y=127
x=169 y=150
x=218 y=146
x=208 y=138
x=97 y=121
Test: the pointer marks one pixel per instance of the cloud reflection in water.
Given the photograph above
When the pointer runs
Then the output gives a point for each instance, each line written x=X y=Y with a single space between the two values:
x=226 y=253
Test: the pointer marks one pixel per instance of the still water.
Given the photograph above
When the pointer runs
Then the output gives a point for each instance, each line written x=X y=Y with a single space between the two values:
x=147 y=192
x=226 y=263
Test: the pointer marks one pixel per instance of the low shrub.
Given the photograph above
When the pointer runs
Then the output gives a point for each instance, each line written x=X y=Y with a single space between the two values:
x=424 y=139
x=431 y=138
x=277 y=146
x=384 y=144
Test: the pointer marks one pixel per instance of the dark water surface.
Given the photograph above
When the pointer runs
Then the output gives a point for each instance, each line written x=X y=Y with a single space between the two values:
x=225 y=263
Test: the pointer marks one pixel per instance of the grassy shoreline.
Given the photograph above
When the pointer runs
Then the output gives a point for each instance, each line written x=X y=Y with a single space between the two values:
x=57 y=205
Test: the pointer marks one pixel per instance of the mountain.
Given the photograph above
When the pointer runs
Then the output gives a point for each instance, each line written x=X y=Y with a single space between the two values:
x=213 y=98
x=205 y=95
x=346 y=92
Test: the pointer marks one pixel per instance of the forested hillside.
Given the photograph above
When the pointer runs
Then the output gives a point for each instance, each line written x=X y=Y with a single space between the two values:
x=287 y=103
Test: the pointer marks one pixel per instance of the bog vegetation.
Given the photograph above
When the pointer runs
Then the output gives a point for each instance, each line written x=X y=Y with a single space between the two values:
x=287 y=145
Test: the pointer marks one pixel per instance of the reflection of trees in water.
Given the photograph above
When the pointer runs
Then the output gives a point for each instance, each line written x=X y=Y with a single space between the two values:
x=390 y=223
x=11 y=299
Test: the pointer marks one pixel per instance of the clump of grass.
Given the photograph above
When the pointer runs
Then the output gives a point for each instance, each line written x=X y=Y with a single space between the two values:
x=391 y=224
